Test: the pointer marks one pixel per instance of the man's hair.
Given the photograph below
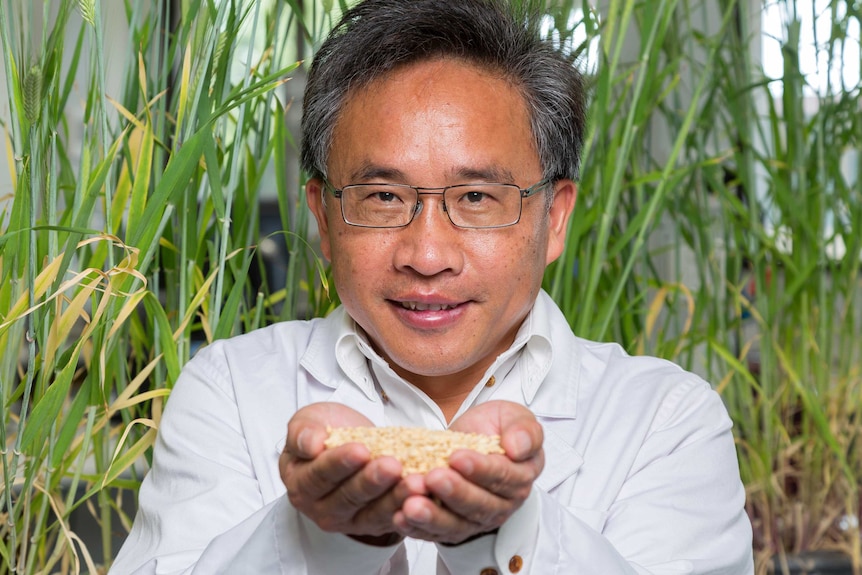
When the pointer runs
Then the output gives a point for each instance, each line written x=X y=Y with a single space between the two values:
x=378 y=36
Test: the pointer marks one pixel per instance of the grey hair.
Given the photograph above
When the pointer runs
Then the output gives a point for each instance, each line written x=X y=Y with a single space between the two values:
x=377 y=36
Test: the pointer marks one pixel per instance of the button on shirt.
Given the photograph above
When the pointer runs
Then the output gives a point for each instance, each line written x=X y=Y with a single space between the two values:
x=640 y=469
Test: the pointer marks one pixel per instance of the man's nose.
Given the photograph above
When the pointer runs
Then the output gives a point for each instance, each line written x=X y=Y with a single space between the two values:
x=430 y=244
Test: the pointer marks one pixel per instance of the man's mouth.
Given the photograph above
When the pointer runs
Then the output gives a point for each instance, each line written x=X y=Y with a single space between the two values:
x=417 y=306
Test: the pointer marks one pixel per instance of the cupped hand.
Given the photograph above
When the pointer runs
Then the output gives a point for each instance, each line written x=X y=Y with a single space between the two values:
x=477 y=493
x=341 y=489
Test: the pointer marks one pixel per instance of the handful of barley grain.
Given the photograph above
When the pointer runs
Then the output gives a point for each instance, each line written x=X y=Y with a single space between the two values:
x=419 y=450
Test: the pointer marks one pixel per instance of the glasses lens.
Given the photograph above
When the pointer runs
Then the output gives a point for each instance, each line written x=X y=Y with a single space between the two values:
x=378 y=205
x=468 y=205
x=483 y=205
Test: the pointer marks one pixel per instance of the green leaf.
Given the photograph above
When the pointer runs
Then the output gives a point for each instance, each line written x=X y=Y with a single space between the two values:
x=176 y=177
x=166 y=339
x=214 y=179
x=47 y=410
x=141 y=188
x=129 y=457
x=230 y=311
x=71 y=424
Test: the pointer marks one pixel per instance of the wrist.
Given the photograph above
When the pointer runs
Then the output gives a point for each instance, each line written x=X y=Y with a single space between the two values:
x=385 y=540
x=471 y=538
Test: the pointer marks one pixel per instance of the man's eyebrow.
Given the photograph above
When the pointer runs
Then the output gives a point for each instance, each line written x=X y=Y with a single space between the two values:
x=370 y=172
x=489 y=174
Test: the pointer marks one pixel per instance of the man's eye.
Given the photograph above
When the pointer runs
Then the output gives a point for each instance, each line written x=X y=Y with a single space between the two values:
x=480 y=198
x=381 y=196
x=386 y=196
x=474 y=197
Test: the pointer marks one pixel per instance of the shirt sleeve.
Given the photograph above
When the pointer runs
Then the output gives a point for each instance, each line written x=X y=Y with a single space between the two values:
x=510 y=550
x=337 y=554
x=201 y=508
x=680 y=510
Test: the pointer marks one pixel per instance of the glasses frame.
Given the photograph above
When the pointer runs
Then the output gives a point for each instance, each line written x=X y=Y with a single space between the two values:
x=420 y=191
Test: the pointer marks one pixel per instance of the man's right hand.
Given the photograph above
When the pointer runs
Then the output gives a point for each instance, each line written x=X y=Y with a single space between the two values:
x=342 y=489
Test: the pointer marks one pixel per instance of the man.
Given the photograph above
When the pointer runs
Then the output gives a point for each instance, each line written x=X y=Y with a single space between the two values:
x=442 y=139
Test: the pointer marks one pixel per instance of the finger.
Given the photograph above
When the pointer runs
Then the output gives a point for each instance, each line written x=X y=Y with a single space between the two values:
x=317 y=478
x=520 y=434
x=497 y=473
x=307 y=429
x=305 y=438
x=522 y=439
x=376 y=516
x=365 y=502
x=472 y=502
x=413 y=484
x=421 y=518
x=370 y=483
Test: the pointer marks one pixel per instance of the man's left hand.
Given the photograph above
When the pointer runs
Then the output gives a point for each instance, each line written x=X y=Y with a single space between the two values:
x=477 y=493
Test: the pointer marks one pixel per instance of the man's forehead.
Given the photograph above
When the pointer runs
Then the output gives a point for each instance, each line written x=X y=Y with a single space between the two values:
x=469 y=126
x=442 y=66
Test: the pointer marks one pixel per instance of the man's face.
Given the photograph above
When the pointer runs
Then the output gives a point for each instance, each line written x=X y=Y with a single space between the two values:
x=440 y=303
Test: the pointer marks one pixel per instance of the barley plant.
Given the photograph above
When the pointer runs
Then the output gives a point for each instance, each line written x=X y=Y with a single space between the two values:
x=130 y=235
x=718 y=225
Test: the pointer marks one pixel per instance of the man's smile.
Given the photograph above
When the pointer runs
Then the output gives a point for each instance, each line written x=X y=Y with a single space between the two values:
x=417 y=306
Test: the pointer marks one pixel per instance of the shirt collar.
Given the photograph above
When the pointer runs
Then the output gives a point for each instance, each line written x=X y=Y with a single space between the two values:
x=532 y=344
x=534 y=337
x=337 y=335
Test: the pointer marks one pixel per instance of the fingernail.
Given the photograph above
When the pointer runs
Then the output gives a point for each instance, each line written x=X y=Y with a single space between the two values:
x=522 y=443
x=445 y=488
x=377 y=476
x=303 y=441
x=422 y=517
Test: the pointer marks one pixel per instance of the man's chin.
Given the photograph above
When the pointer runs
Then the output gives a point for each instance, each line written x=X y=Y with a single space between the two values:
x=405 y=367
x=414 y=371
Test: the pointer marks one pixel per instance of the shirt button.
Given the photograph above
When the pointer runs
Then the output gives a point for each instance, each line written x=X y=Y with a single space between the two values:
x=489 y=571
x=515 y=563
x=491 y=381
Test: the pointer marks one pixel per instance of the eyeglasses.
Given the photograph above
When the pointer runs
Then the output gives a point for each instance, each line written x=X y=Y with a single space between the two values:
x=467 y=205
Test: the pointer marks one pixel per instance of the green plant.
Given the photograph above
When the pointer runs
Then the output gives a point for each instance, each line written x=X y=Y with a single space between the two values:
x=800 y=422
x=129 y=238
x=747 y=287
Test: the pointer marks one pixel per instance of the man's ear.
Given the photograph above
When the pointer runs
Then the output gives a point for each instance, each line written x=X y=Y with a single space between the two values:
x=315 y=196
x=565 y=194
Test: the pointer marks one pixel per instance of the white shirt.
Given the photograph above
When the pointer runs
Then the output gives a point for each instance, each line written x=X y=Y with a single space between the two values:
x=640 y=468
